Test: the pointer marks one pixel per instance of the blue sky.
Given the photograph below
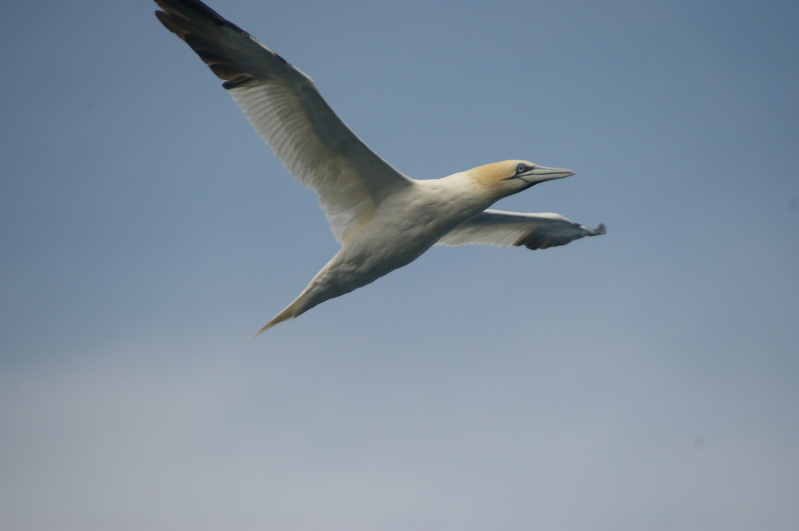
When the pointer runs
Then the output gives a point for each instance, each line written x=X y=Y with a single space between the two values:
x=642 y=380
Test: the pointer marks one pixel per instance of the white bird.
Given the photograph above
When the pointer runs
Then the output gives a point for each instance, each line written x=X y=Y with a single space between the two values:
x=383 y=219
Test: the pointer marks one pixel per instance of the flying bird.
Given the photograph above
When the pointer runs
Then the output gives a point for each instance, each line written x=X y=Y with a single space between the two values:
x=382 y=219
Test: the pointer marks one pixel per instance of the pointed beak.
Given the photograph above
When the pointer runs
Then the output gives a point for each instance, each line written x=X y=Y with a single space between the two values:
x=540 y=174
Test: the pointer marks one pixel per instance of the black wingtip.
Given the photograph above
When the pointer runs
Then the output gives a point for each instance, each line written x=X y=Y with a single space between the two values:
x=179 y=7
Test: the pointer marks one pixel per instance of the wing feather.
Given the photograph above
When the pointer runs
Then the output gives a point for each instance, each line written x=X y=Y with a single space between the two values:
x=534 y=231
x=288 y=112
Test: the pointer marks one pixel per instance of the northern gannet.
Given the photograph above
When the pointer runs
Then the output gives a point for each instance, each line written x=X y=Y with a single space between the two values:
x=383 y=219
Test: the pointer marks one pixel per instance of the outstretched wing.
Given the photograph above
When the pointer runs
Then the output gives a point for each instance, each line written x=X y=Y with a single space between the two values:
x=534 y=231
x=286 y=109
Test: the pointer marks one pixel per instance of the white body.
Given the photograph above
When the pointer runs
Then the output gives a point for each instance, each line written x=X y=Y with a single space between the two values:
x=403 y=227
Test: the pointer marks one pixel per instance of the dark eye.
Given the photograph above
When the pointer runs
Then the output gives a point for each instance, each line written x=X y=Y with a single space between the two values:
x=521 y=168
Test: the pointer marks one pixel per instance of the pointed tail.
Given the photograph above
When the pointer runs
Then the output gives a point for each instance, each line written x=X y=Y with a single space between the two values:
x=285 y=315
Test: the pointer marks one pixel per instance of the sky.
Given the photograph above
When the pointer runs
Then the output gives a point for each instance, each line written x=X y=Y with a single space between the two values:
x=645 y=379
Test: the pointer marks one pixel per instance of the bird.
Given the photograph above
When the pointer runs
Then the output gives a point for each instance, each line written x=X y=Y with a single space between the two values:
x=382 y=219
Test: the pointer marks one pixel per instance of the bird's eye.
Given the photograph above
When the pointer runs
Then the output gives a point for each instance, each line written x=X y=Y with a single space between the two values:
x=521 y=168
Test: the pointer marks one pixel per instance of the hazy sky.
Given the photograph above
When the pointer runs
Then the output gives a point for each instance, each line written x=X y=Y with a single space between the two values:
x=647 y=379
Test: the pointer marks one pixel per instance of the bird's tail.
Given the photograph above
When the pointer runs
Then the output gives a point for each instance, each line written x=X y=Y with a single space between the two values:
x=285 y=315
x=310 y=297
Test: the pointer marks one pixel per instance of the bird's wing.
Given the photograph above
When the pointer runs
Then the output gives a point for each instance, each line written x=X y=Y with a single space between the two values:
x=534 y=231
x=286 y=109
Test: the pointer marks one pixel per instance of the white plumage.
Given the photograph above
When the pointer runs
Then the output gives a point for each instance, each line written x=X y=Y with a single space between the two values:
x=383 y=219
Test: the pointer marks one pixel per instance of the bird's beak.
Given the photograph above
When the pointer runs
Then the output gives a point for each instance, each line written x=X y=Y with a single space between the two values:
x=540 y=174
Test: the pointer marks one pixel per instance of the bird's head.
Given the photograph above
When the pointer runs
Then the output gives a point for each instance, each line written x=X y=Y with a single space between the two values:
x=508 y=177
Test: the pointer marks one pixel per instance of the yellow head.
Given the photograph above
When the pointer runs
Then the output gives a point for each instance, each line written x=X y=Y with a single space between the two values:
x=501 y=179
